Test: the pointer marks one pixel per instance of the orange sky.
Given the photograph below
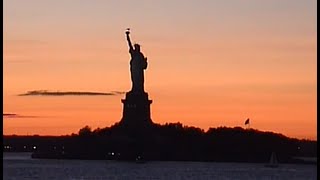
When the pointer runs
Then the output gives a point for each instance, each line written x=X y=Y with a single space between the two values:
x=211 y=64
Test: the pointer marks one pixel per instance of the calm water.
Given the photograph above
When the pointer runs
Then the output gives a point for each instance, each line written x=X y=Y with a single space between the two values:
x=21 y=166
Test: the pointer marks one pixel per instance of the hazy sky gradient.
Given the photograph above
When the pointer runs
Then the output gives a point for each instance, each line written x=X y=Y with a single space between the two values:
x=211 y=63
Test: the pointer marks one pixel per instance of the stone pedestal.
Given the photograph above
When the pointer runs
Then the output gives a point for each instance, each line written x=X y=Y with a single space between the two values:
x=136 y=110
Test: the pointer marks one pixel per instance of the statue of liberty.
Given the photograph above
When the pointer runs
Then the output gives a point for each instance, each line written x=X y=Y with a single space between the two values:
x=136 y=105
x=138 y=64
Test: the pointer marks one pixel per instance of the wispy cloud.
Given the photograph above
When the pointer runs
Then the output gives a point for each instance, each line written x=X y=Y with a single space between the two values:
x=69 y=93
x=11 y=115
x=118 y=92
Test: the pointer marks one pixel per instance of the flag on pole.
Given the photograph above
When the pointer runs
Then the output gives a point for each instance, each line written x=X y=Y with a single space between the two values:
x=247 y=122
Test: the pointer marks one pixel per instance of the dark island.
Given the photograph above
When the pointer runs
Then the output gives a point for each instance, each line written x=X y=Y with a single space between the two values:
x=169 y=142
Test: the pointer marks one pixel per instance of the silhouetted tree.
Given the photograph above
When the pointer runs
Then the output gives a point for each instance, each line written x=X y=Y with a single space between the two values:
x=85 y=131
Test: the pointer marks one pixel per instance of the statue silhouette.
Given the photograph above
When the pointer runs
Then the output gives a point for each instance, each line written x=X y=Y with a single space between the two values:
x=136 y=105
x=138 y=64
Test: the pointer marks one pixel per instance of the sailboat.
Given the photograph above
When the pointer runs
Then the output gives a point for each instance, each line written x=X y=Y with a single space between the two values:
x=273 y=161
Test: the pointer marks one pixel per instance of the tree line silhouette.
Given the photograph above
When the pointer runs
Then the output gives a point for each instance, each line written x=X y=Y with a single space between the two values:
x=168 y=142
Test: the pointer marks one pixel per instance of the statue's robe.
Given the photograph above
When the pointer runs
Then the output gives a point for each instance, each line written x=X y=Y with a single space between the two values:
x=137 y=65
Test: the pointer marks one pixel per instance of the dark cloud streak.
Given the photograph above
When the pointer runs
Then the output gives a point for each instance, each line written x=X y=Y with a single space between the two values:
x=69 y=93
x=11 y=115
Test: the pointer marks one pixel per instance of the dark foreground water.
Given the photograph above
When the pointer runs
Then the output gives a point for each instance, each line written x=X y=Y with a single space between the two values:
x=21 y=166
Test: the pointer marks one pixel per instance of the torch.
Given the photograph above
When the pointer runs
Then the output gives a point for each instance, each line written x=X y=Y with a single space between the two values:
x=128 y=31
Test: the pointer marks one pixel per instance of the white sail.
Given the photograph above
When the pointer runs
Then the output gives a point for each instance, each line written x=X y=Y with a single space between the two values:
x=273 y=161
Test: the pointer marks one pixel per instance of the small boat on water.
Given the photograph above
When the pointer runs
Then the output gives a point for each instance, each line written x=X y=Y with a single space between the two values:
x=273 y=161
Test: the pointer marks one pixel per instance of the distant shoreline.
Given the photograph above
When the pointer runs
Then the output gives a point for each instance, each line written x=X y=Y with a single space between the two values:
x=169 y=142
x=308 y=160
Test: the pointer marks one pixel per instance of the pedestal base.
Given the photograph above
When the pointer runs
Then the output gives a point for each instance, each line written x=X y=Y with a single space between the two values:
x=136 y=110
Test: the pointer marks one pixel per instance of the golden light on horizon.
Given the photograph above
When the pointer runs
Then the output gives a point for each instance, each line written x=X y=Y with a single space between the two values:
x=213 y=67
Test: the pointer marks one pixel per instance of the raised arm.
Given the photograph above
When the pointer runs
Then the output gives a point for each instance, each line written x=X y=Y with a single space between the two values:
x=129 y=41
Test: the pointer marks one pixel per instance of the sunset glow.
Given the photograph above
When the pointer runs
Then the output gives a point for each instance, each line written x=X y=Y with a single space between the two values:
x=211 y=63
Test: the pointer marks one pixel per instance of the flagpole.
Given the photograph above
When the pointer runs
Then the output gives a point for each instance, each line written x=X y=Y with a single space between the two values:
x=247 y=123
